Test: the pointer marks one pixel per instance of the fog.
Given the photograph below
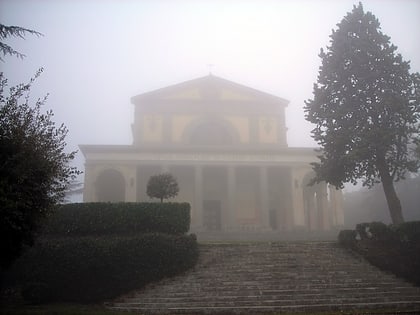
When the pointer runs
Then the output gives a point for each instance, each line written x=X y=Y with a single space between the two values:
x=98 y=54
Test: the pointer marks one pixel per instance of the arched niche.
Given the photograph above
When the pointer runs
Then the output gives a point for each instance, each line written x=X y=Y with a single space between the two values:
x=110 y=186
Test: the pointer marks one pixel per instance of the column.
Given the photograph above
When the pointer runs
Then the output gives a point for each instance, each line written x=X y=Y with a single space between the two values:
x=322 y=205
x=336 y=204
x=231 y=192
x=298 y=214
x=198 y=196
x=264 y=204
x=131 y=183
x=312 y=210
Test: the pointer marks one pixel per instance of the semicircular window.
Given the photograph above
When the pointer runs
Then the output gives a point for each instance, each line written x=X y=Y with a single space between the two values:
x=211 y=133
x=110 y=186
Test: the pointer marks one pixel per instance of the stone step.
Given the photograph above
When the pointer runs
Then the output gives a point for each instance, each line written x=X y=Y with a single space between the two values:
x=264 y=299
x=413 y=307
x=268 y=277
x=278 y=292
x=266 y=303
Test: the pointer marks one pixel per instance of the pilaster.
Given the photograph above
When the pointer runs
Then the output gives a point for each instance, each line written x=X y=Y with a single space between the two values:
x=264 y=202
x=231 y=192
x=198 y=197
x=130 y=183
x=298 y=214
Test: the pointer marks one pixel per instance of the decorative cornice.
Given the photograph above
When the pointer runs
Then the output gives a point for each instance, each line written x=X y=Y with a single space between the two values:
x=291 y=157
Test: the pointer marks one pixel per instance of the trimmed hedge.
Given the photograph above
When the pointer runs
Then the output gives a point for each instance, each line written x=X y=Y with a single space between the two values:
x=100 y=218
x=347 y=238
x=394 y=248
x=88 y=270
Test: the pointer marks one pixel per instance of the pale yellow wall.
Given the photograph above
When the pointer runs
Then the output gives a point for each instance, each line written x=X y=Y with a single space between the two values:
x=191 y=94
x=267 y=129
x=241 y=125
x=179 y=123
x=232 y=95
x=152 y=128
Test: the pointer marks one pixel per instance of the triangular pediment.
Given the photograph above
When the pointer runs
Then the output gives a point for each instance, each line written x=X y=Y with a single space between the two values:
x=208 y=87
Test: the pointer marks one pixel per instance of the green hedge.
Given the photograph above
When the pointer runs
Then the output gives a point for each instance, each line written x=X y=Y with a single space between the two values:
x=100 y=218
x=347 y=238
x=394 y=248
x=88 y=269
x=408 y=232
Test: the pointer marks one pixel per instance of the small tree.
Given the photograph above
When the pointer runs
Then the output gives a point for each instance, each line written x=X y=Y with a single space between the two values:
x=162 y=186
x=34 y=168
x=366 y=108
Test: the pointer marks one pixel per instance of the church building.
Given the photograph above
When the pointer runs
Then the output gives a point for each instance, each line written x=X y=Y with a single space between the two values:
x=226 y=145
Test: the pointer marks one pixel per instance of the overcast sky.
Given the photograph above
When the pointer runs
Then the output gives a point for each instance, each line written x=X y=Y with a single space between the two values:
x=97 y=54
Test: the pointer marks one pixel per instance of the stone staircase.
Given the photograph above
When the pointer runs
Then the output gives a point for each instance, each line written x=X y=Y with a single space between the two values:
x=276 y=277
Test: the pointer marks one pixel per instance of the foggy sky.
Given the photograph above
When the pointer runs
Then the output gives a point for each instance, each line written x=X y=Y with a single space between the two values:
x=97 y=54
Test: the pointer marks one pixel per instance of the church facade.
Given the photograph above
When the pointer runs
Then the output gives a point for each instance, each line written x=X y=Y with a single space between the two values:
x=226 y=145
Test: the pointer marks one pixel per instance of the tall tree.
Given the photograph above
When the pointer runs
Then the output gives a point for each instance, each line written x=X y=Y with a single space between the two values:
x=365 y=108
x=13 y=31
x=34 y=168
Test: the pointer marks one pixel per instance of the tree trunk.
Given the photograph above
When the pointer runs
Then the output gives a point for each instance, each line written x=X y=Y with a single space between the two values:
x=394 y=204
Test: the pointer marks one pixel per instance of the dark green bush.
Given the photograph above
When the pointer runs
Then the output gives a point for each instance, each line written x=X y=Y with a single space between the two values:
x=394 y=248
x=362 y=230
x=408 y=231
x=347 y=238
x=100 y=218
x=380 y=231
x=88 y=269
x=36 y=292
x=375 y=231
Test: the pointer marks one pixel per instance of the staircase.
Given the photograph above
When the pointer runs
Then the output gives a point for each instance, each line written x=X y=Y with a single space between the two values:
x=274 y=277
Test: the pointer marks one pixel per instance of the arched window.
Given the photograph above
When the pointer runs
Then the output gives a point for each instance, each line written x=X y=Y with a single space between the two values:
x=110 y=186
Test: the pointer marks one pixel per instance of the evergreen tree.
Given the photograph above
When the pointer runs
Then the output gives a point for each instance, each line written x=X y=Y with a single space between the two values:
x=13 y=31
x=162 y=186
x=365 y=108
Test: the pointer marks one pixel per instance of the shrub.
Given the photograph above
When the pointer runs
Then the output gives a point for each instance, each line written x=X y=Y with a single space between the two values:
x=375 y=231
x=380 y=231
x=162 y=186
x=101 y=218
x=347 y=238
x=88 y=270
x=408 y=232
x=394 y=248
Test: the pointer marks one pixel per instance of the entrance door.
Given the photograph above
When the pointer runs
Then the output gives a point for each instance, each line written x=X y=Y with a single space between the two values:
x=212 y=215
